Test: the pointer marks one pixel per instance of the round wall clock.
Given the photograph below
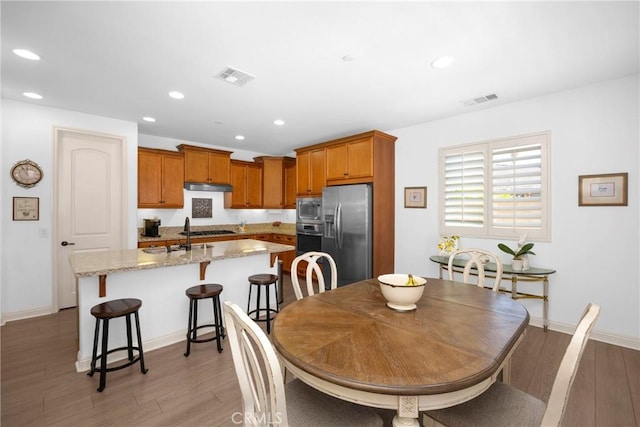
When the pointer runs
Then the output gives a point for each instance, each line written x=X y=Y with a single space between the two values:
x=26 y=173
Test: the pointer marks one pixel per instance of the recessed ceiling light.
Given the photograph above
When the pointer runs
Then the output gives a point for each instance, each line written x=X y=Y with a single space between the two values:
x=443 y=62
x=347 y=58
x=278 y=122
x=149 y=119
x=239 y=137
x=32 y=95
x=26 y=54
x=176 y=95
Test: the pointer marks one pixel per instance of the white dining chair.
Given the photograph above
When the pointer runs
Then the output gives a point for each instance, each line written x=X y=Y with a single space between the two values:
x=266 y=400
x=313 y=267
x=503 y=405
x=477 y=258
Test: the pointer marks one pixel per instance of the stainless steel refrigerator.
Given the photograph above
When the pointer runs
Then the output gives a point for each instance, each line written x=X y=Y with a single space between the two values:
x=347 y=236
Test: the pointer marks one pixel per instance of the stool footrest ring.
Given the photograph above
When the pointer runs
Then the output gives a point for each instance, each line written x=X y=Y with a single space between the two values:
x=211 y=325
x=135 y=359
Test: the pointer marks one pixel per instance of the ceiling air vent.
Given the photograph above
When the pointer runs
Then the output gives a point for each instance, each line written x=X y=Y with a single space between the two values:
x=235 y=77
x=480 y=100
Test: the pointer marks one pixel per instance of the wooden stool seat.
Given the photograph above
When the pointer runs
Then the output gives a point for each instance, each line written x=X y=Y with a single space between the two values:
x=198 y=292
x=263 y=279
x=116 y=308
x=260 y=280
x=204 y=291
x=103 y=313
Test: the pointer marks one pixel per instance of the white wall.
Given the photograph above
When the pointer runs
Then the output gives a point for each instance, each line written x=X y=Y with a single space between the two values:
x=595 y=250
x=175 y=217
x=26 y=278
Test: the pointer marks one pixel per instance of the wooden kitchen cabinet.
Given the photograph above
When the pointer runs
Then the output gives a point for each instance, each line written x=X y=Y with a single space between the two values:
x=350 y=160
x=158 y=243
x=310 y=171
x=246 y=180
x=290 y=186
x=160 y=179
x=363 y=158
x=286 y=257
x=274 y=183
x=206 y=166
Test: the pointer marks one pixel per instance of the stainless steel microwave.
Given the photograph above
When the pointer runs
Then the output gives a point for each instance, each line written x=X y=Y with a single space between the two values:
x=309 y=210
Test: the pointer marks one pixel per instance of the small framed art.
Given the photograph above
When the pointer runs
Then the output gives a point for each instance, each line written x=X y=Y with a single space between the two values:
x=26 y=208
x=415 y=197
x=603 y=190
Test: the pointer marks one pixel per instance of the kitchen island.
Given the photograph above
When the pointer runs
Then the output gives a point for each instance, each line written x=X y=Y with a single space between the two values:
x=160 y=278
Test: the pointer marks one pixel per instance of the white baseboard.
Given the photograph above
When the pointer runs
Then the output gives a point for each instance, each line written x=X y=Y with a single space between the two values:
x=602 y=336
x=26 y=314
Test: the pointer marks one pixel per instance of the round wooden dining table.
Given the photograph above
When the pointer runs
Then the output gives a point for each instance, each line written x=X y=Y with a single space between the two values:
x=347 y=343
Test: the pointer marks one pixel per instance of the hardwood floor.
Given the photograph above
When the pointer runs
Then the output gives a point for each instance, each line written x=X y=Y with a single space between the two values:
x=40 y=386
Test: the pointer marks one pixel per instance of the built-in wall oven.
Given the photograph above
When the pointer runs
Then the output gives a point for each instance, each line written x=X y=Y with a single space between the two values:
x=308 y=238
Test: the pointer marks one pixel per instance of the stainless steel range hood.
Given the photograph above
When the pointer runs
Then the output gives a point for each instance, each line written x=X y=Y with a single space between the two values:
x=197 y=186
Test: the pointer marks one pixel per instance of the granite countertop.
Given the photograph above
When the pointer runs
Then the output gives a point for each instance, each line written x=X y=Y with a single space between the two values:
x=173 y=233
x=89 y=264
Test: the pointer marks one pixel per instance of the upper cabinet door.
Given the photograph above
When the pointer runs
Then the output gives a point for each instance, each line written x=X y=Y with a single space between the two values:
x=149 y=178
x=173 y=181
x=350 y=160
x=310 y=171
x=220 y=168
x=206 y=166
x=160 y=179
x=246 y=180
x=196 y=166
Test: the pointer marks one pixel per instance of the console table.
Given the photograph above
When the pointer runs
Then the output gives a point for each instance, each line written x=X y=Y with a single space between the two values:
x=533 y=274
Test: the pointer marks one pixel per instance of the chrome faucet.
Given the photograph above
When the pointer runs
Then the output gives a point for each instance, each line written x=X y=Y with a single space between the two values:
x=187 y=229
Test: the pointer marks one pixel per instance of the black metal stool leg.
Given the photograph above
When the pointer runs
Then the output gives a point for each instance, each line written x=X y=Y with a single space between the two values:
x=258 y=303
x=129 y=339
x=216 y=320
x=249 y=299
x=189 y=327
x=95 y=348
x=268 y=310
x=103 y=356
x=194 y=333
x=142 y=368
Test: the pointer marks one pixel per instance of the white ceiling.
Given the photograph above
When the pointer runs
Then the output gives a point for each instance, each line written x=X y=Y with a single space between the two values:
x=120 y=59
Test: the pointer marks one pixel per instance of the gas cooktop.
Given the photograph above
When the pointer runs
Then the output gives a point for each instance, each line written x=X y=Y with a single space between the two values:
x=208 y=232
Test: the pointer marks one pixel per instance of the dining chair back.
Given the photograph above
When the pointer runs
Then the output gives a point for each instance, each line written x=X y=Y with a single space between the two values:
x=266 y=400
x=503 y=405
x=477 y=258
x=313 y=267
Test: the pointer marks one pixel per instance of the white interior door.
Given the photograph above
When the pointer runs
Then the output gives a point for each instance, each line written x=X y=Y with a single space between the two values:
x=91 y=204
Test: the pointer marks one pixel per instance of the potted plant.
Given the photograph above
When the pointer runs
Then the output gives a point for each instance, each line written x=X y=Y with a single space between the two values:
x=519 y=255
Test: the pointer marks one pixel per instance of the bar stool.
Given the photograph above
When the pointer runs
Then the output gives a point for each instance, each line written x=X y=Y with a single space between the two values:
x=105 y=312
x=194 y=294
x=261 y=280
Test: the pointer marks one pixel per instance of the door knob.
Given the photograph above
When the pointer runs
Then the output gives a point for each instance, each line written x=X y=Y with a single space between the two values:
x=65 y=243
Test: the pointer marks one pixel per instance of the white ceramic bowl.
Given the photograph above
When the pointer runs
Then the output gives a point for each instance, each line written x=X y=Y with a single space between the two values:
x=398 y=294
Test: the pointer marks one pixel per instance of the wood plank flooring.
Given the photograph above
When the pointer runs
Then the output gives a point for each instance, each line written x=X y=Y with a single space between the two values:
x=40 y=387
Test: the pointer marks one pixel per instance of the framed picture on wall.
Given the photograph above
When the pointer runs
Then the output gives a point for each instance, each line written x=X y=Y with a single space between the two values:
x=415 y=197
x=603 y=190
x=26 y=208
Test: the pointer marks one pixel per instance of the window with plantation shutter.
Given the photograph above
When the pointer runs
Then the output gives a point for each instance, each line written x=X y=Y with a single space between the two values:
x=464 y=183
x=496 y=188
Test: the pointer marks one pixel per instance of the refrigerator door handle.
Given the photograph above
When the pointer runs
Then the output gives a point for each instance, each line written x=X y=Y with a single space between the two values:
x=338 y=219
